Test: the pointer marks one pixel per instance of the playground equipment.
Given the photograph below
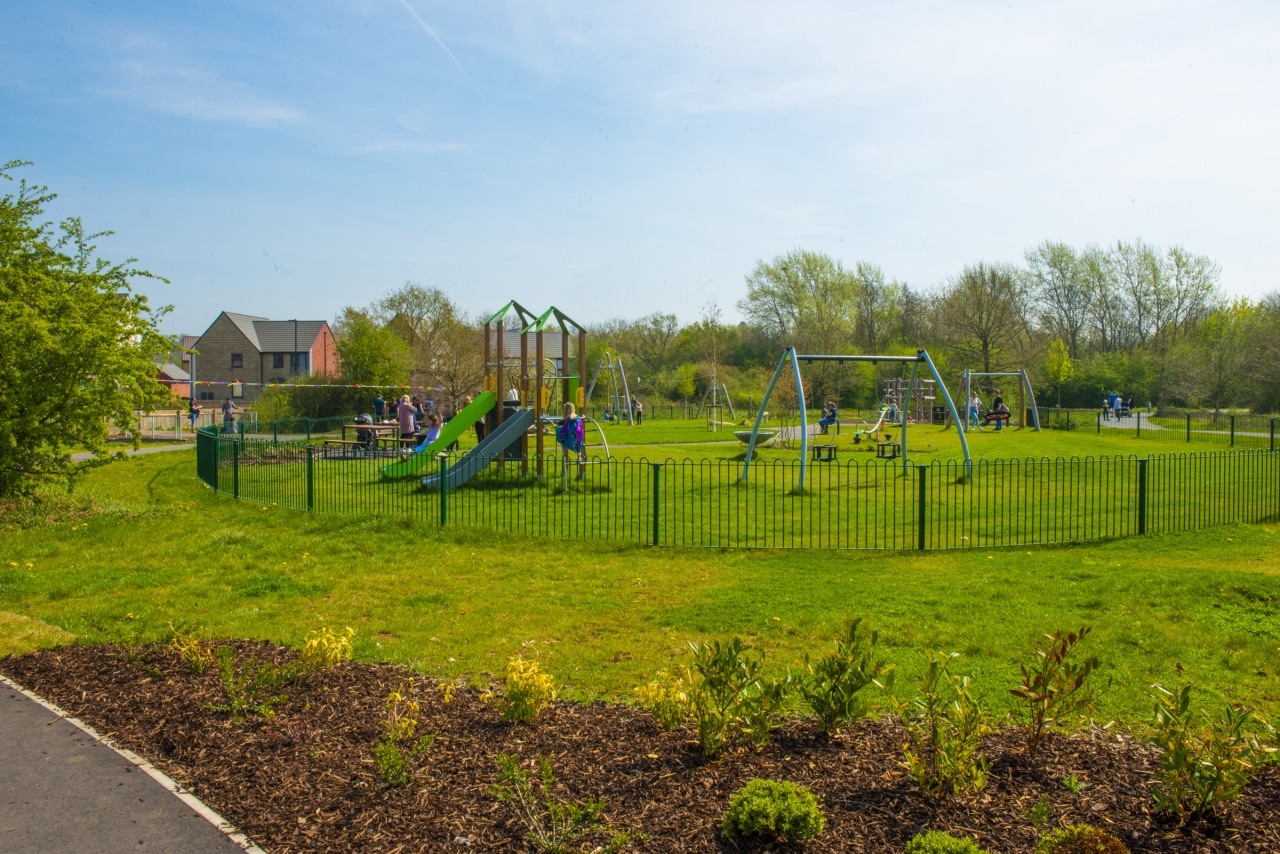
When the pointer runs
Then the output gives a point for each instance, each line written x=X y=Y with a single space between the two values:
x=1024 y=394
x=790 y=355
x=518 y=393
x=619 y=394
x=718 y=392
x=917 y=400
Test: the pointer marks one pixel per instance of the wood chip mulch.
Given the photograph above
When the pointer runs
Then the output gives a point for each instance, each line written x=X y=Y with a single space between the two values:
x=304 y=781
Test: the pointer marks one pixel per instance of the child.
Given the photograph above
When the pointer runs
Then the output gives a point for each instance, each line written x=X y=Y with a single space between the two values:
x=830 y=415
x=570 y=435
x=434 y=423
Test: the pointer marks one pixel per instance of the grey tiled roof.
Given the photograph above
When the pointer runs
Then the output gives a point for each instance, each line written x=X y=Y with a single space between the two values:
x=245 y=323
x=173 y=372
x=277 y=336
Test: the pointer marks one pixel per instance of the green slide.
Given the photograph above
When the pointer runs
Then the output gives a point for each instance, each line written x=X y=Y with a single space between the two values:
x=450 y=433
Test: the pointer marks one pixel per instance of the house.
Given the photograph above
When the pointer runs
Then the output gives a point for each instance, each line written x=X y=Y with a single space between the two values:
x=175 y=379
x=252 y=351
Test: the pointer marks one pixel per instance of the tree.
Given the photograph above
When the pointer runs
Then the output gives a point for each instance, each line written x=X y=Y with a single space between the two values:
x=981 y=315
x=419 y=316
x=370 y=353
x=804 y=298
x=458 y=365
x=78 y=348
x=1061 y=292
x=1058 y=366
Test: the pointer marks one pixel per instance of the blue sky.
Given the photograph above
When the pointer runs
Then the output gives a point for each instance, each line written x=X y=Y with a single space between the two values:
x=290 y=158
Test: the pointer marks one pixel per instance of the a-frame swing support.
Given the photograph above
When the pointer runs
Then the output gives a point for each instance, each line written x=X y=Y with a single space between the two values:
x=1023 y=389
x=790 y=355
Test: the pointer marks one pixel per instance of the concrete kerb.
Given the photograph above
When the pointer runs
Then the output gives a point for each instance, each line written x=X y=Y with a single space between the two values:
x=155 y=773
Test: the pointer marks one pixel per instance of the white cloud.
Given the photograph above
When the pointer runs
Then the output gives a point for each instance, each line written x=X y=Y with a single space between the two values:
x=184 y=91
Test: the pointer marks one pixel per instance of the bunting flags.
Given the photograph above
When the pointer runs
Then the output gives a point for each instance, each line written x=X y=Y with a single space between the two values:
x=322 y=385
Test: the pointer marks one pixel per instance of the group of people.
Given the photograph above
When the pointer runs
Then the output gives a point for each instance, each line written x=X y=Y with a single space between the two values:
x=637 y=413
x=1114 y=405
x=998 y=413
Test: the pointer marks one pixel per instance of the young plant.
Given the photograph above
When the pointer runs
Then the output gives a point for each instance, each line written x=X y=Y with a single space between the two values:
x=1206 y=765
x=191 y=648
x=774 y=809
x=1074 y=784
x=248 y=688
x=393 y=756
x=1055 y=687
x=833 y=683
x=945 y=725
x=552 y=825
x=666 y=700
x=325 y=649
x=727 y=697
x=1040 y=812
x=1080 y=838
x=937 y=842
x=526 y=690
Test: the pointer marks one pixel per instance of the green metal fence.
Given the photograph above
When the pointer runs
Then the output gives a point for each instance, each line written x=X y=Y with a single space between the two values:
x=705 y=503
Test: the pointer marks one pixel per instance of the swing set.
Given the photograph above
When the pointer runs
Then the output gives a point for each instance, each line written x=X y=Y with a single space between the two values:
x=1024 y=394
x=790 y=355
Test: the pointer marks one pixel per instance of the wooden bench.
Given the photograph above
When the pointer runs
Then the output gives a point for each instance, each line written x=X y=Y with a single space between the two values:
x=888 y=450
x=823 y=453
x=342 y=442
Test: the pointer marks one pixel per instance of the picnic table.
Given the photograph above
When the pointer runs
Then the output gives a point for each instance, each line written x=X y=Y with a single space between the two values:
x=378 y=429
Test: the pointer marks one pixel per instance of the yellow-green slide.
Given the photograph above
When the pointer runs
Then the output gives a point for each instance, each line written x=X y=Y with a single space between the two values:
x=449 y=433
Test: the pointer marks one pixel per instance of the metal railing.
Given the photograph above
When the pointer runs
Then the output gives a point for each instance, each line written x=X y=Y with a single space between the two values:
x=705 y=503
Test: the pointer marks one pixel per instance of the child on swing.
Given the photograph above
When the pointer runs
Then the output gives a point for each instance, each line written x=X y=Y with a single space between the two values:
x=571 y=435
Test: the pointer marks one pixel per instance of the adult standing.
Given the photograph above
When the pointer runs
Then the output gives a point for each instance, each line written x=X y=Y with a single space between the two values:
x=229 y=416
x=997 y=406
x=193 y=410
x=379 y=407
x=639 y=407
x=406 y=416
x=975 y=407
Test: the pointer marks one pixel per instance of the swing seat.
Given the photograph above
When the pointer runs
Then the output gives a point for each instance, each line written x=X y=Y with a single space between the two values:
x=998 y=416
x=823 y=453
x=888 y=450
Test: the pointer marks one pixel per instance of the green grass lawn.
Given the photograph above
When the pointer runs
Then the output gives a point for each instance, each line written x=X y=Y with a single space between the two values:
x=145 y=543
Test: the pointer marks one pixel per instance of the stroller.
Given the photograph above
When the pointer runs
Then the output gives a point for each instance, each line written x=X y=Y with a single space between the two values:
x=368 y=439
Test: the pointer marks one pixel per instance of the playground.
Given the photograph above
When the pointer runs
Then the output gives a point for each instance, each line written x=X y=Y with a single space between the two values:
x=783 y=476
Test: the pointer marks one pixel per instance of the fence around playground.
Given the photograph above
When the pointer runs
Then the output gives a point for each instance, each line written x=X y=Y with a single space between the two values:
x=705 y=503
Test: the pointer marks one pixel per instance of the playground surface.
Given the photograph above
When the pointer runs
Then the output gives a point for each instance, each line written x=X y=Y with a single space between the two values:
x=64 y=790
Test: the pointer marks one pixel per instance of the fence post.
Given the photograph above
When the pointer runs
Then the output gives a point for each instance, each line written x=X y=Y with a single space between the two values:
x=1233 y=431
x=922 y=507
x=657 y=504
x=1142 y=497
x=1137 y=417
x=309 y=429
x=235 y=469
x=1188 y=426
x=1099 y=422
x=444 y=490
x=1273 y=435
x=311 y=488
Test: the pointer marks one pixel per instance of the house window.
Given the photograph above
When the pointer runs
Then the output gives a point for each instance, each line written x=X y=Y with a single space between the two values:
x=304 y=362
x=206 y=395
x=237 y=360
x=237 y=389
x=277 y=360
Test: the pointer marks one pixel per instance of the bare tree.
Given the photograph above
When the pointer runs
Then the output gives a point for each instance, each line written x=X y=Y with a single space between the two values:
x=1061 y=291
x=418 y=315
x=982 y=316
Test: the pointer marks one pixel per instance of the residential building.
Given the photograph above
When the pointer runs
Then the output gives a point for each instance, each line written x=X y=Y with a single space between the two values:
x=249 y=351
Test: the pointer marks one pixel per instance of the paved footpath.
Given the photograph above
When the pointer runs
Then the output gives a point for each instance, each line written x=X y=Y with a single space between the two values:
x=61 y=790
x=145 y=449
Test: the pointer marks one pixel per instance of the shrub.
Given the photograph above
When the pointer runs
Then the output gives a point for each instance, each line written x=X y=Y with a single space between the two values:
x=1204 y=766
x=1040 y=812
x=248 y=688
x=526 y=690
x=392 y=759
x=326 y=649
x=1054 y=686
x=551 y=825
x=727 y=697
x=945 y=725
x=191 y=648
x=937 y=842
x=833 y=684
x=1080 y=839
x=774 y=809
x=666 y=700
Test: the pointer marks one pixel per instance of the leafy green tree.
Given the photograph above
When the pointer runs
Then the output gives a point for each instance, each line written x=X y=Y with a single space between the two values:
x=1058 y=366
x=78 y=348
x=371 y=352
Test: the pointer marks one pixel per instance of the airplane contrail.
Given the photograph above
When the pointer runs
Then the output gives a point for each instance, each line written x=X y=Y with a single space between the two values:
x=443 y=46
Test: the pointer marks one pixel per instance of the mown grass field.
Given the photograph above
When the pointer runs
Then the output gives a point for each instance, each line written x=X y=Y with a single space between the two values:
x=145 y=543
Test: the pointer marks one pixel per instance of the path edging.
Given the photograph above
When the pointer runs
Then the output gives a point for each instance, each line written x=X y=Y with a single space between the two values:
x=155 y=773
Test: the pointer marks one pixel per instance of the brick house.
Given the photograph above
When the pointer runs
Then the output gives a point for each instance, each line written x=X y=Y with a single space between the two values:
x=247 y=349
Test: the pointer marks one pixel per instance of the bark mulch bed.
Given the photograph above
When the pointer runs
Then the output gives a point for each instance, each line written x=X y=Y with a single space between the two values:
x=305 y=782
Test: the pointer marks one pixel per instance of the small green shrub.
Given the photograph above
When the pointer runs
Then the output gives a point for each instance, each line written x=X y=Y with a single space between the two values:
x=1074 y=784
x=1040 y=812
x=249 y=688
x=774 y=809
x=526 y=690
x=196 y=651
x=937 y=842
x=1080 y=839
x=393 y=756
x=727 y=697
x=1054 y=686
x=945 y=725
x=666 y=700
x=833 y=685
x=551 y=824
x=1202 y=767
x=326 y=649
